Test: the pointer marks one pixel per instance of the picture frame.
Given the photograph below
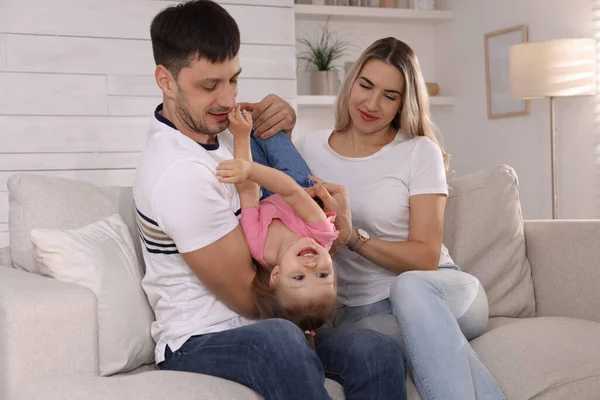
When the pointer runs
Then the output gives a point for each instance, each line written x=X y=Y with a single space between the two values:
x=500 y=104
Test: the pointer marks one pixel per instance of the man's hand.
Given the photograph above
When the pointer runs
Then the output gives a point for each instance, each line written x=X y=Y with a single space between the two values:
x=334 y=198
x=240 y=122
x=271 y=115
x=234 y=171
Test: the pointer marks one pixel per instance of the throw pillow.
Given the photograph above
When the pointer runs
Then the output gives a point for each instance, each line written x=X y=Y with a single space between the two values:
x=101 y=257
x=483 y=231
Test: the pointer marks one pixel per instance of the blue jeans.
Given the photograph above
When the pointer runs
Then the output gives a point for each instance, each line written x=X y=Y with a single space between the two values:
x=433 y=314
x=280 y=153
x=273 y=358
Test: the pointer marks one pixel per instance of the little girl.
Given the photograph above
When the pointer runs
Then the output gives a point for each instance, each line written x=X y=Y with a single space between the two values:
x=288 y=234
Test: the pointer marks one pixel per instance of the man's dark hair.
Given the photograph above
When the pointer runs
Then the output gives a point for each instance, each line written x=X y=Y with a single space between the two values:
x=198 y=29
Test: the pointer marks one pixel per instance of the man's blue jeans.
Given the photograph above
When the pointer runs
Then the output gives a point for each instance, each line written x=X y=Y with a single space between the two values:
x=273 y=358
x=280 y=153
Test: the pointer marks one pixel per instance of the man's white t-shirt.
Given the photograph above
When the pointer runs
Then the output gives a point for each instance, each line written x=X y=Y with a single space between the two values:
x=181 y=207
x=379 y=187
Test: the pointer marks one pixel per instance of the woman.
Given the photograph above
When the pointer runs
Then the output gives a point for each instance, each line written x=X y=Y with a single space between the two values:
x=383 y=149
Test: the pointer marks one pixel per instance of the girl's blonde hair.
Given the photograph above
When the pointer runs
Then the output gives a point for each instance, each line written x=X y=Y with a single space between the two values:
x=414 y=117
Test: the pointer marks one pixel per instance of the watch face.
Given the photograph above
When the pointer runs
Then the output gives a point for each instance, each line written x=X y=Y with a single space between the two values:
x=364 y=233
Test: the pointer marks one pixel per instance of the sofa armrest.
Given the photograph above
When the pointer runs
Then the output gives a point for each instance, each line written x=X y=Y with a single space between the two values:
x=565 y=266
x=48 y=329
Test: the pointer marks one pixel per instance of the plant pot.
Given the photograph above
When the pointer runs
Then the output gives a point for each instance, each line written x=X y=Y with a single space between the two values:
x=422 y=5
x=324 y=83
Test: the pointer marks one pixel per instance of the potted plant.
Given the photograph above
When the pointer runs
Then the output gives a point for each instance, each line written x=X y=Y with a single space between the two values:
x=320 y=57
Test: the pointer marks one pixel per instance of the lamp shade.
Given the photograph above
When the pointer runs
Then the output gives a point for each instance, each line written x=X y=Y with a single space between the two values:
x=555 y=68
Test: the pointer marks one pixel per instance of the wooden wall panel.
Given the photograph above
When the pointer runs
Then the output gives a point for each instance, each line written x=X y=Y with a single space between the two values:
x=77 y=88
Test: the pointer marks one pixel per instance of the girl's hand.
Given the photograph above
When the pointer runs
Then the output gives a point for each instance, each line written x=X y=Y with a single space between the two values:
x=271 y=115
x=234 y=171
x=240 y=122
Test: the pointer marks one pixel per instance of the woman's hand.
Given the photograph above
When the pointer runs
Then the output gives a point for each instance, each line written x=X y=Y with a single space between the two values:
x=334 y=198
x=271 y=115
x=234 y=171
x=240 y=122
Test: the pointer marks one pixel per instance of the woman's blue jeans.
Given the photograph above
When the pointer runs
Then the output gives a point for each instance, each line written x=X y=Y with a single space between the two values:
x=433 y=314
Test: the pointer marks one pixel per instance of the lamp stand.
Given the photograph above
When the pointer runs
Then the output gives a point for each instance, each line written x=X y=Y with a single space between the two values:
x=553 y=155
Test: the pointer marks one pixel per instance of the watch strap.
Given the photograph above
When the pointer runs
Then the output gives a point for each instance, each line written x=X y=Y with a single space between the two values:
x=359 y=243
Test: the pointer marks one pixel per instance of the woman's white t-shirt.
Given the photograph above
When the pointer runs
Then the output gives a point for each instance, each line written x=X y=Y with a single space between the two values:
x=379 y=187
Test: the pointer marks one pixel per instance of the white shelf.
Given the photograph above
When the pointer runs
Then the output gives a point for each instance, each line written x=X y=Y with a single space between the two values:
x=370 y=13
x=315 y=101
x=441 y=101
x=327 y=101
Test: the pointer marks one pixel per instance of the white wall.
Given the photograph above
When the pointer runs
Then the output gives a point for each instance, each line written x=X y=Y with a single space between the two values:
x=77 y=87
x=522 y=142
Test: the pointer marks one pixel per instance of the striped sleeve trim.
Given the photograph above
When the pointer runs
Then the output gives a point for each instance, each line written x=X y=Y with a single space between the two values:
x=153 y=238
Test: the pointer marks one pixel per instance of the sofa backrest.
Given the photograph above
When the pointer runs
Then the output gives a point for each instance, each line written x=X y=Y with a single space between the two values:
x=483 y=227
x=5 y=259
x=43 y=202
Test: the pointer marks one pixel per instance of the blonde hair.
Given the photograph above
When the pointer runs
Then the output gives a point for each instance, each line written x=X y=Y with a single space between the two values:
x=414 y=117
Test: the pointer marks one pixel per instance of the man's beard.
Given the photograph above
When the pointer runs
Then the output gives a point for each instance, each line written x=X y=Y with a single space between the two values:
x=197 y=125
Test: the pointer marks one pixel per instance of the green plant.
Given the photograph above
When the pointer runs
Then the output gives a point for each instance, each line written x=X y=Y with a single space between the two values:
x=322 y=53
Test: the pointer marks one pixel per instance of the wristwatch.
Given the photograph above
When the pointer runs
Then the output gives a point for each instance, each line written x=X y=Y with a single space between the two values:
x=363 y=237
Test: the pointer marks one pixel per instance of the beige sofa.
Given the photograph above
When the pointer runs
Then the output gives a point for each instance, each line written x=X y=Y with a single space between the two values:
x=542 y=280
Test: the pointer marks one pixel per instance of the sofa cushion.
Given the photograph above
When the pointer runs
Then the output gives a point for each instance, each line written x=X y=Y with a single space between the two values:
x=483 y=231
x=544 y=358
x=155 y=385
x=494 y=323
x=101 y=257
x=44 y=202
x=141 y=369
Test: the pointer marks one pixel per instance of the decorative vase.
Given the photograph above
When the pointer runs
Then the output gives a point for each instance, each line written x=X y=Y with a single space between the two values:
x=387 y=3
x=324 y=83
x=432 y=88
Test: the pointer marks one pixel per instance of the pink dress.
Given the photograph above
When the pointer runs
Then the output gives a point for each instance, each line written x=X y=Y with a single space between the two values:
x=255 y=223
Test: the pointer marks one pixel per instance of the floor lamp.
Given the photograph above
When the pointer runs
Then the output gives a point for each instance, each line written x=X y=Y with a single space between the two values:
x=555 y=68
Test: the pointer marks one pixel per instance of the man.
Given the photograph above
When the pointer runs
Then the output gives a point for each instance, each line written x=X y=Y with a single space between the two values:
x=198 y=266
